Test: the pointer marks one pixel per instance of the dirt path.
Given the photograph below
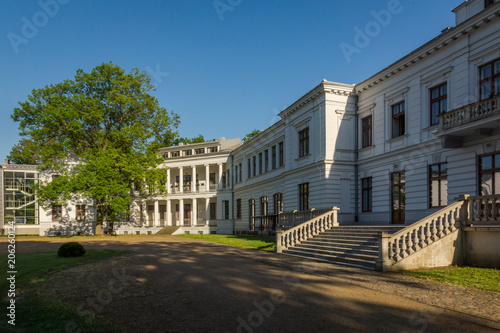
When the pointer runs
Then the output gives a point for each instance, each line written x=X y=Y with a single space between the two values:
x=171 y=284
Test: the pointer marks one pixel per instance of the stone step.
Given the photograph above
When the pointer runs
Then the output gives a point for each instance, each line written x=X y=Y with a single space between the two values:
x=169 y=230
x=337 y=253
x=341 y=244
x=335 y=248
x=347 y=261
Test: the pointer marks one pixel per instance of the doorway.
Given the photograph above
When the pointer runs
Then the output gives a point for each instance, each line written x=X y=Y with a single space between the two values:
x=398 y=197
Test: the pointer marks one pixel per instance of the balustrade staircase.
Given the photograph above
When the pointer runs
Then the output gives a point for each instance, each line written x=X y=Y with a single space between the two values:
x=355 y=246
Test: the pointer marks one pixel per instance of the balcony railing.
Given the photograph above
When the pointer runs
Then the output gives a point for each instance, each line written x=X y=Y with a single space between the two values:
x=469 y=113
x=175 y=189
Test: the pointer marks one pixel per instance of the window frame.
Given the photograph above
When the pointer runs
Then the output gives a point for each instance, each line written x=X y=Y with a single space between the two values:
x=80 y=213
x=439 y=178
x=490 y=79
x=367 y=131
x=56 y=211
x=273 y=159
x=435 y=120
x=367 y=187
x=304 y=196
x=400 y=118
x=278 y=203
x=281 y=154
x=304 y=142
x=491 y=171
x=238 y=208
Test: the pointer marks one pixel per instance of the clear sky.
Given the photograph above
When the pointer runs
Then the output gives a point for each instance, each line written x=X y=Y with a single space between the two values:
x=225 y=66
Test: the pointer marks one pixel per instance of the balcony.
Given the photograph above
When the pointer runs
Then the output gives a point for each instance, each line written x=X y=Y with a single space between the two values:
x=476 y=119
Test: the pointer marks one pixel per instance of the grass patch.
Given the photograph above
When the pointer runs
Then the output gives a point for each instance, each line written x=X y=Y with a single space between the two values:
x=249 y=242
x=33 y=268
x=482 y=278
x=38 y=314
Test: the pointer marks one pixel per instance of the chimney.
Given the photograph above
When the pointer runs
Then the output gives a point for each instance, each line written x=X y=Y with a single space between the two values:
x=7 y=161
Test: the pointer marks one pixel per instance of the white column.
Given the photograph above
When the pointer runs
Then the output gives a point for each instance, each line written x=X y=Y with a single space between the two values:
x=194 y=212
x=193 y=179
x=157 y=214
x=181 y=180
x=181 y=211
x=207 y=209
x=207 y=177
x=168 y=182
x=220 y=176
x=169 y=213
x=144 y=217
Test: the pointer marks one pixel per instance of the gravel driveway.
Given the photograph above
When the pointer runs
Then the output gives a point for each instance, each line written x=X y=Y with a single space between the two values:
x=172 y=284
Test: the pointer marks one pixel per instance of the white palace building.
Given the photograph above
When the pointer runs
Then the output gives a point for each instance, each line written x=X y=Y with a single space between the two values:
x=390 y=151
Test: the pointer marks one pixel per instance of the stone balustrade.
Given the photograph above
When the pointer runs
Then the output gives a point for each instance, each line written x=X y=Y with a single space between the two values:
x=469 y=113
x=306 y=230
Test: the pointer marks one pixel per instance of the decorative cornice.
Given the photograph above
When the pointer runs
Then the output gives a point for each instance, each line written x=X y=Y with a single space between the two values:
x=428 y=49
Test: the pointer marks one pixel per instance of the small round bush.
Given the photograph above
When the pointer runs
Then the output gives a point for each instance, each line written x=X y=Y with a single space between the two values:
x=71 y=249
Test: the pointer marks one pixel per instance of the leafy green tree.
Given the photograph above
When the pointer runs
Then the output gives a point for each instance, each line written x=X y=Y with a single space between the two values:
x=251 y=135
x=25 y=152
x=100 y=132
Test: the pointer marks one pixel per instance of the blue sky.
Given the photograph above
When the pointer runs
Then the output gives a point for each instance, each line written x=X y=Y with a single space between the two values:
x=225 y=66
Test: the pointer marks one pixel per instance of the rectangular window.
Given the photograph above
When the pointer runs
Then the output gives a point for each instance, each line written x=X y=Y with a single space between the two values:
x=489 y=174
x=212 y=178
x=240 y=177
x=266 y=160
x=438 y=185
x=56 y=212
x=212 y=149
x=366 y=124
x=278 y=203
x=213 y=210
x=238 y=208
x=225 y=204
x=304 y=142
x=175 y=154
x=273 y=159
x=439 y=102
x=366 y=194
x=199 y=151
x=304 y=196
x=260 y=163
x=398 y=119
x=251 y=214
x=249 y=169
x=263 y=206
x=236 y=173
x=489 y=79
x=80 y=213
x=281 y=154
x=254 y=166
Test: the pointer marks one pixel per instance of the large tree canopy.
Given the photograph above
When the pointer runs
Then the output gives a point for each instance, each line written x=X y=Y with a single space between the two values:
x=108 y=123
x=25 y=152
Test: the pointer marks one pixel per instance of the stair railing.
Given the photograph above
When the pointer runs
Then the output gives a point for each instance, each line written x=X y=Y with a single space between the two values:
x=302 y=232
x=397 y=246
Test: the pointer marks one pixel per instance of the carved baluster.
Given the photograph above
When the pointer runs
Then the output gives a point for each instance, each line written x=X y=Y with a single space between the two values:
x=421 y=236
x=428 y=233
x=403 y=246
x=434 y=230
x=411 y=243
x=440 y=226
x=397 y=254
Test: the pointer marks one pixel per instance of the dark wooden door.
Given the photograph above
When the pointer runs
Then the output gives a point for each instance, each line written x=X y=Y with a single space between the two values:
x=398 y=197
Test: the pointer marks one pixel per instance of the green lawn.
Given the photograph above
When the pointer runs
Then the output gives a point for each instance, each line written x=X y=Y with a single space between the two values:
x=38 y=314
x=482 y=278
x=249 y=242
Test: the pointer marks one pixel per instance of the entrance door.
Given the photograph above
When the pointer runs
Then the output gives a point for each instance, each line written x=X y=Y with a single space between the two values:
x=187 y=214
x=398 y=197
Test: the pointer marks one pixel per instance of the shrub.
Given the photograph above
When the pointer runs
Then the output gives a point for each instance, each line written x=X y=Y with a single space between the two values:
x=71 y=249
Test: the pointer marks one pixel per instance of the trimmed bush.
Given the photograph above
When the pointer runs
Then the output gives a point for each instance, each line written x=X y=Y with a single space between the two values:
x=71 y=249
